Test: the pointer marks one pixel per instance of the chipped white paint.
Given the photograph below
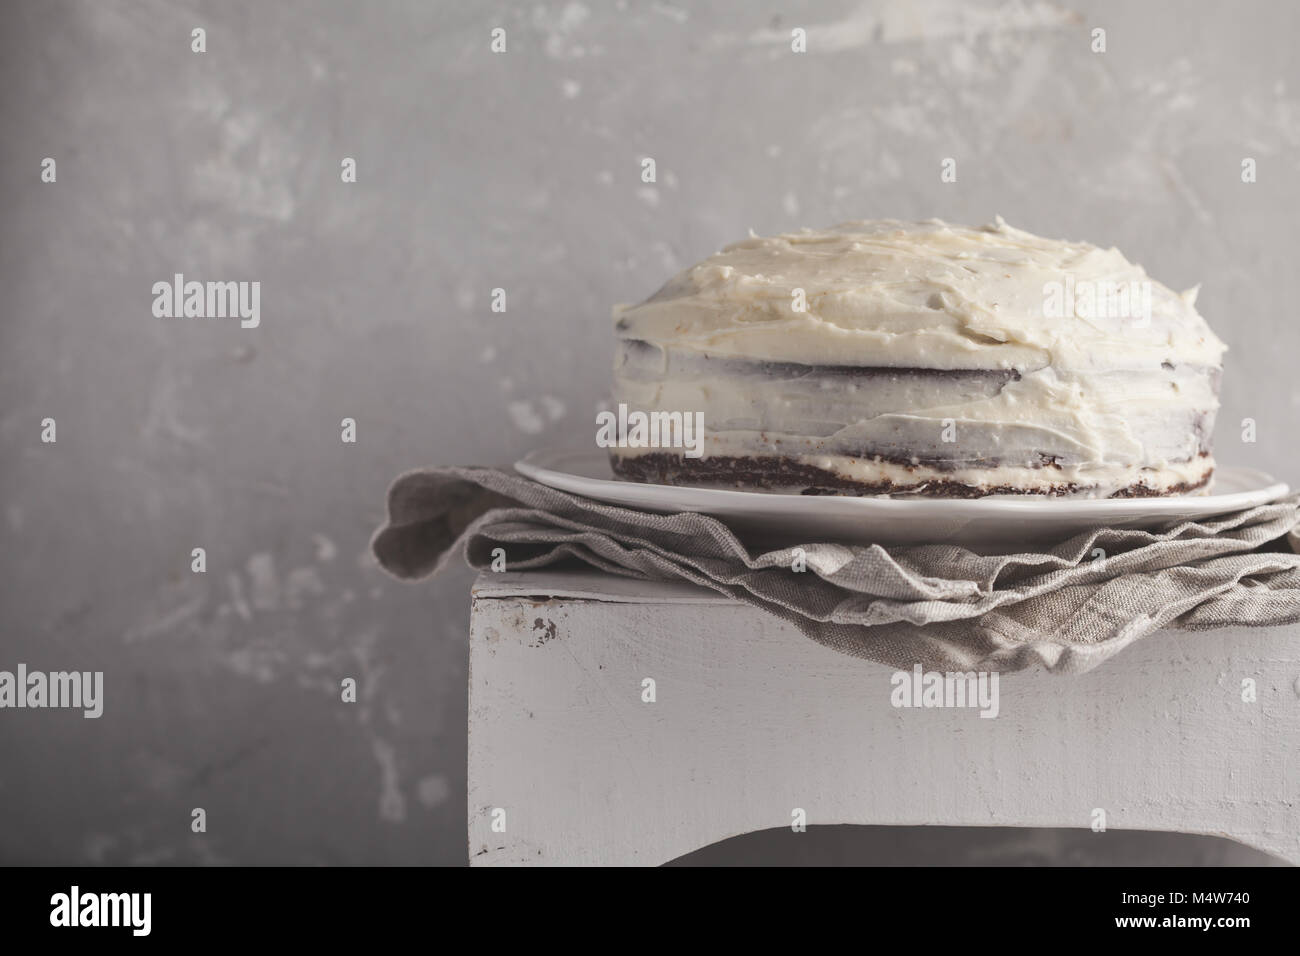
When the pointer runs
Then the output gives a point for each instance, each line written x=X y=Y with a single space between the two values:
x=392 y=802
x=674 y=13
x=525 y=417
x=162 y=420
x=906 y=21
x=325 y=548
x=753 y=719
x=301 y=585
x=531 y=417
x=559 y=29
x=264 y=581
x=433 y=791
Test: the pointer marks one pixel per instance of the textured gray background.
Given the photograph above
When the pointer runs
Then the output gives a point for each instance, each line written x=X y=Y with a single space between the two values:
x=476 y=171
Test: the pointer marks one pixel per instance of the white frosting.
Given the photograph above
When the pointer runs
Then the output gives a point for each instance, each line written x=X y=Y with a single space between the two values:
x=918 y=295
x=1107 y=400
x=1145 y=418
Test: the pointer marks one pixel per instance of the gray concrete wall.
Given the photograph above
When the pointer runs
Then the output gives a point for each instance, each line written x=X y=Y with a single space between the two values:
x=475 y=171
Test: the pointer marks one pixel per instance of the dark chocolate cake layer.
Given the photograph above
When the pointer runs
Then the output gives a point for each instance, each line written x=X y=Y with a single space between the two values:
x=786 y=475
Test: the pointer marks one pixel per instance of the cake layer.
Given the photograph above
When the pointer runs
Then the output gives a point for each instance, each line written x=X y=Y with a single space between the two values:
x=829 y=475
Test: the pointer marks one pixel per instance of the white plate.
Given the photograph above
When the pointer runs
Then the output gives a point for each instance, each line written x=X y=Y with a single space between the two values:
x=998 y=521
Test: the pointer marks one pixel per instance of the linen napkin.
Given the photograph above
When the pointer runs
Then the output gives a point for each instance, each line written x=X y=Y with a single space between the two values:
x=939 y=605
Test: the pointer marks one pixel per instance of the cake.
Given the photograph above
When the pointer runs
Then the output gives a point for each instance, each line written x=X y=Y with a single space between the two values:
x=919 y=358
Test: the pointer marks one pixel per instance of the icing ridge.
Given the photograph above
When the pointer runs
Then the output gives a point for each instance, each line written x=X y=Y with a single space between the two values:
x=921 y=294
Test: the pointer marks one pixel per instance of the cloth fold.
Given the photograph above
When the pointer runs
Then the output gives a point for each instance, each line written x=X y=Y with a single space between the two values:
x=945 y=607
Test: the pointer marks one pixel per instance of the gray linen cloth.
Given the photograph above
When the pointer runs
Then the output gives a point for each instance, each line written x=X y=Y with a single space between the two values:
x=939 y=605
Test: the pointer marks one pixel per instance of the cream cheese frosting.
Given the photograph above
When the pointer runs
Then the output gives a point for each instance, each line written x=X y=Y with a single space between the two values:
x=916 y=295
x=926 y=349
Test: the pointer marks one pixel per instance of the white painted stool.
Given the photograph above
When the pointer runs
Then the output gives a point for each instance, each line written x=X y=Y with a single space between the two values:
x=752 y=720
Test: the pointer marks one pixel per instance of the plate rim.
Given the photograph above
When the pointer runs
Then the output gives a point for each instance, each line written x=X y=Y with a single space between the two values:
x=533 y=465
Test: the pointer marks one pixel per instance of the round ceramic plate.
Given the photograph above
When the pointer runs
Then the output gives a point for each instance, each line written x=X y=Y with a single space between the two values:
x=999 y=520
